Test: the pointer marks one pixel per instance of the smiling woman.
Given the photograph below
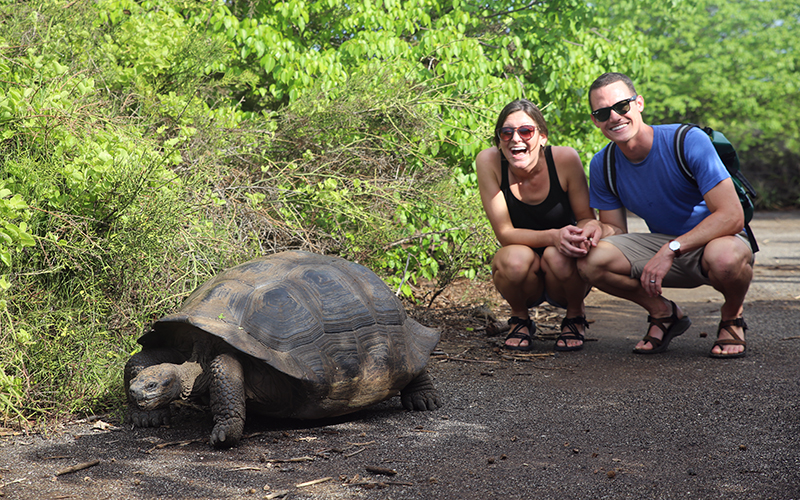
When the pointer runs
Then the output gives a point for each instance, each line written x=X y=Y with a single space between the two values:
x=537 y=201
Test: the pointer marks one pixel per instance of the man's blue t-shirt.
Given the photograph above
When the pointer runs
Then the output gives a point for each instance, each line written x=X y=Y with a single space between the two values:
x=655 y=189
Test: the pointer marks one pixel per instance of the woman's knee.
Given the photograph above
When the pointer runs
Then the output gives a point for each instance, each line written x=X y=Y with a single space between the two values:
x=515 y=260
x=558 y=264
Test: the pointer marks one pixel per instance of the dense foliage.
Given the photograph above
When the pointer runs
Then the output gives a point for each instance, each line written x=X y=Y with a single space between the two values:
x=147 y=145
x=733 y=66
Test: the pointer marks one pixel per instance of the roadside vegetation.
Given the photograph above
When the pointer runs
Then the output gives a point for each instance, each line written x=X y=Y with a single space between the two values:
x=148 y=145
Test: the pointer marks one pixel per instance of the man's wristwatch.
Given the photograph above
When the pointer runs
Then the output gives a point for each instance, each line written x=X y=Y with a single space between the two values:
x=675 y=246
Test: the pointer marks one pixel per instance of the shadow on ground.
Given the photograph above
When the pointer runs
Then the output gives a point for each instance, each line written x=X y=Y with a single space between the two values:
x=598 y=423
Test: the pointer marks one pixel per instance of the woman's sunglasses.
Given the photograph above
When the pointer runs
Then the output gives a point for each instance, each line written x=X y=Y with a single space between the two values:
x=620 y=108
x=525 y=132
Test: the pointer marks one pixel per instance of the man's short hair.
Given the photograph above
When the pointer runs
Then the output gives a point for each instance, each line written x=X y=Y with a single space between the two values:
x=607 y=79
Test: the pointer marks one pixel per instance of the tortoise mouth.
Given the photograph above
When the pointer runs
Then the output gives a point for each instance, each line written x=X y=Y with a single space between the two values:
x=148 y=401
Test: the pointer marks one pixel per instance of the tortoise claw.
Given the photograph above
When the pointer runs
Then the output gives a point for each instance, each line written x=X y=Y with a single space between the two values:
x=151 y=418
x=223 y=436
x=420 y=395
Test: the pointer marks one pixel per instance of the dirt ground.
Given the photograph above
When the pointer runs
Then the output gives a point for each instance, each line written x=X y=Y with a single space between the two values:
x=598 y=423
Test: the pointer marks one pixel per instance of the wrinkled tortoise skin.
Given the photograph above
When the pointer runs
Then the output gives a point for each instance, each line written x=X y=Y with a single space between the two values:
x=292 y=335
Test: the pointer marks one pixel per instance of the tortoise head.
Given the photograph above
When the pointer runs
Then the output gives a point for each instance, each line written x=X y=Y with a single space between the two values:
x=156 y=386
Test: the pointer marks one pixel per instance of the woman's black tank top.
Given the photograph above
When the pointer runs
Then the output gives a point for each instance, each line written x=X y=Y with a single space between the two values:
x=554 y=212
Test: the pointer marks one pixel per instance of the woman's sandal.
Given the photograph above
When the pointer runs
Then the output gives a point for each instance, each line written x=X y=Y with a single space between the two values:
x=736 y=340
x=572 y=333
x=677 y=327
x=517 y=334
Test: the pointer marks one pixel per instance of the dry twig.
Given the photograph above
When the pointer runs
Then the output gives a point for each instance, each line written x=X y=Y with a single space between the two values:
x=311 y=483
x=381 y=470
x=174 y=443
x=76 y=468
x=287 y=460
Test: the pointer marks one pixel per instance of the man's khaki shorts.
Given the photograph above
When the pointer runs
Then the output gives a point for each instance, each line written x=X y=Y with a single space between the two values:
x=686 y=271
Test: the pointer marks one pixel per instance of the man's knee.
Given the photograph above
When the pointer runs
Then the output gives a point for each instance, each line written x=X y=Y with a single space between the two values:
x=599 y=260
x=727 y=258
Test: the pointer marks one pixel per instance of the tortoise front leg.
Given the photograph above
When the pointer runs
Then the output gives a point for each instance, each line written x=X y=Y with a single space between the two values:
x=420 y=394
x=227 y=401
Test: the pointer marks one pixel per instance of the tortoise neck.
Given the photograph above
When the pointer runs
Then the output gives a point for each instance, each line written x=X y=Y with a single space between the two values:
x=191 y=371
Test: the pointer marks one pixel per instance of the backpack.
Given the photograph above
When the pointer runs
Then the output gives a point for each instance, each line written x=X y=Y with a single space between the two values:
x=726 y=153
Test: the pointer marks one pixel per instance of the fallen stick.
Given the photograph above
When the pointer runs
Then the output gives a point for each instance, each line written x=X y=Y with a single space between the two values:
x=378 y=484
x=447 y=357
x=348 y=455
x=76 y=468
x=311 y=483
x=287 y=460
x=381 y=470
x=361 y=444
x=174 y=443
x=10 y=482
x=533 y=355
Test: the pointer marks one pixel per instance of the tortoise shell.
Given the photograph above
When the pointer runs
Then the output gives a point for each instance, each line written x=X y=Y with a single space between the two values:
x=323 y=320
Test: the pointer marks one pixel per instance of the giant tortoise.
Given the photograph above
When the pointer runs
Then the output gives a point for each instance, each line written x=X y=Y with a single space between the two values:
x=291 y=335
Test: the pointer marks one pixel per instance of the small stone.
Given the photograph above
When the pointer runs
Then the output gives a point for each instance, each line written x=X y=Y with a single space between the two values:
x=611 y=474
x=743 y=447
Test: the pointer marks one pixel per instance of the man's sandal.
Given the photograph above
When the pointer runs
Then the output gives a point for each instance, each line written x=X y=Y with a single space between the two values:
x=736 y=340
x=517 y=334
x=572 y=333
x=677 y=327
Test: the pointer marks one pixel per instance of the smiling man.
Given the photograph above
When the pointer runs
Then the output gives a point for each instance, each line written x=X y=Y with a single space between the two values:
x=696 y=231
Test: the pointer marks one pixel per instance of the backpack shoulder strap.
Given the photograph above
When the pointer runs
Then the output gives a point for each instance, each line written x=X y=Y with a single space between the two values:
x=680 y=154
x=610 y=169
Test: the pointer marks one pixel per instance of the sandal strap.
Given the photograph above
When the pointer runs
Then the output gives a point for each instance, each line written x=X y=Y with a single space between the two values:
x=577 y=320
x=659 y=322
x=571 y=325
x=654 y=341
x=516 y=320
x=519 y=324
x=726 y=325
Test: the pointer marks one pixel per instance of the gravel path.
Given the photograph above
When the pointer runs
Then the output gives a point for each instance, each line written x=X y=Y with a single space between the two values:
x=598 y=423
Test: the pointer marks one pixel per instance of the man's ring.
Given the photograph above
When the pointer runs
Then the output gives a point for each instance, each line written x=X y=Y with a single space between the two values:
x=652 y=281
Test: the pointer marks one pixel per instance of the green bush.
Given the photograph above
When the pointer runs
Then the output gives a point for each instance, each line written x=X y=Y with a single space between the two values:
x=147 y=145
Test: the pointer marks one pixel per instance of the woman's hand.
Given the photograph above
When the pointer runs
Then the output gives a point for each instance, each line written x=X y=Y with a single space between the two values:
x=572 y=242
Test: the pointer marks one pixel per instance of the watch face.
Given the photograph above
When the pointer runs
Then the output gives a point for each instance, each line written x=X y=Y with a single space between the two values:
x=674 y=246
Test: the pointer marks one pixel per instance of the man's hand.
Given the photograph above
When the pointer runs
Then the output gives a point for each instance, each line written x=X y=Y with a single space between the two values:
x=655 y=270
x=593 y=232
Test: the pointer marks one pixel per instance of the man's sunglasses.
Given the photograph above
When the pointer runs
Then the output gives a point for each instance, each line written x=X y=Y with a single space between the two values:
x=620 y=108
x=525 y=132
